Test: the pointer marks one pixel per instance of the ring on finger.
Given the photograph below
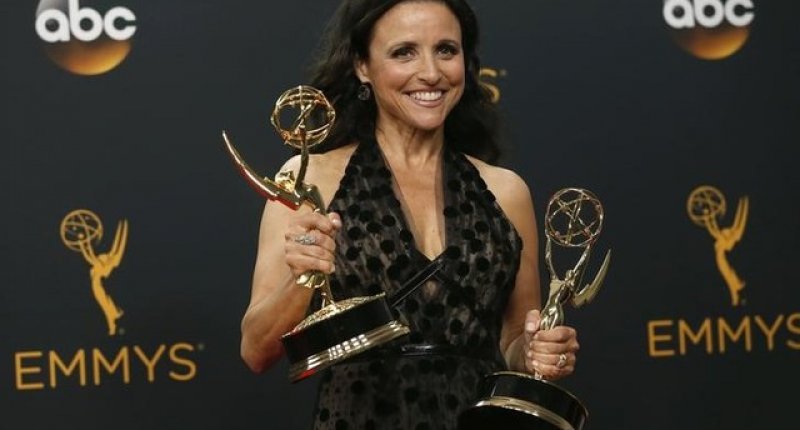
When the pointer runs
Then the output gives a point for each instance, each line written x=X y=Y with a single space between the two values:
x=562 y=361
x=305 y=239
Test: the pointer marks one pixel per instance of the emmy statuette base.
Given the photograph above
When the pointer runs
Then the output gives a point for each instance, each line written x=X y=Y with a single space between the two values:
x=340 y=331
x=518 y=400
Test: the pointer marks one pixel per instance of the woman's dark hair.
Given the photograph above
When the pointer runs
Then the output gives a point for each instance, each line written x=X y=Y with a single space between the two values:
x=470 y=128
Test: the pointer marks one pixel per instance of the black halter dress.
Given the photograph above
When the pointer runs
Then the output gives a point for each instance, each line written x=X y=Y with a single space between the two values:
x=424 y=380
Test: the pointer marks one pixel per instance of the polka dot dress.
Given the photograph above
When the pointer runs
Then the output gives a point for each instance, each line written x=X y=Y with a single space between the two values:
x=461 y=314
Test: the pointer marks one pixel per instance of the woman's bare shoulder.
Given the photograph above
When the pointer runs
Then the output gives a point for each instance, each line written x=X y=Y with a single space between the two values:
x=504 y=183
x=513 y=196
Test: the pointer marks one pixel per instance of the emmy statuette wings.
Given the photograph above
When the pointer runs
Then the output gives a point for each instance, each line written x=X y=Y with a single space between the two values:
x=574 y=219
x=339 y=329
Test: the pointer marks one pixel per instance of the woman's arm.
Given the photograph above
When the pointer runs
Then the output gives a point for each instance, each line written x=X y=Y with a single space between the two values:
x=525 y=348
x=277 y=304
x=514 y=198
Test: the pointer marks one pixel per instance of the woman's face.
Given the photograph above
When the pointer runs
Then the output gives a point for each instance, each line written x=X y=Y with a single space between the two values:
x=415 y=65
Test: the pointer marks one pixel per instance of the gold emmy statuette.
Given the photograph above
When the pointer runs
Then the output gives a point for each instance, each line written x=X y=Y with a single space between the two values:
x=340 y=329
x=705 y=205
x=79 y=230
x=574 y=219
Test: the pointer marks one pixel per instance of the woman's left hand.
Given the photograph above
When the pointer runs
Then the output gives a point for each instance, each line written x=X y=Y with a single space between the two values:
x=550 y=353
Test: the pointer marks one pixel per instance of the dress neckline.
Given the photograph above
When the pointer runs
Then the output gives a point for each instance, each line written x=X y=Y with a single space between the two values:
x=381 y=162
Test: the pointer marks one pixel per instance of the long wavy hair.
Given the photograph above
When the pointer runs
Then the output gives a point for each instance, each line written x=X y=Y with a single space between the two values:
x=471 y=127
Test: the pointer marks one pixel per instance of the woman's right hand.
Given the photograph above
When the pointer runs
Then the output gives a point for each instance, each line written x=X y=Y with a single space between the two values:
x=310 y=242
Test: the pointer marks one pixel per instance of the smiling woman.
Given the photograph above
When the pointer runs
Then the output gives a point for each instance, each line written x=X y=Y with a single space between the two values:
x=472 y=125
x=415 y=67
x=411 y=191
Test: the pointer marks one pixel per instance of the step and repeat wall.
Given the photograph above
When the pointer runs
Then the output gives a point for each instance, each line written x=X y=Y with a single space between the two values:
x=129 y=239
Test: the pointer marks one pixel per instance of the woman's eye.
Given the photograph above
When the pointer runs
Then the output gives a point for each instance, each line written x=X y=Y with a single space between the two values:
x=403 y=52
x=448 y=50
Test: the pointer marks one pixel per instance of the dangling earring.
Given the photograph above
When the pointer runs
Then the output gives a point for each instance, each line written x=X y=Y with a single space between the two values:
x=364 y=92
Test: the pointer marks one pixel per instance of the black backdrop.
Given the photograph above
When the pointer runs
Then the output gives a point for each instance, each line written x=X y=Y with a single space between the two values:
x=594 y=94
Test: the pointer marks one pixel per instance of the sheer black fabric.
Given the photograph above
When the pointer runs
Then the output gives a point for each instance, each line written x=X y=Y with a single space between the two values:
x=457 y=317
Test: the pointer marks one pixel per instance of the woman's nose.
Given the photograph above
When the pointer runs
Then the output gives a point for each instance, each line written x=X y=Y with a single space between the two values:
x=429 y=72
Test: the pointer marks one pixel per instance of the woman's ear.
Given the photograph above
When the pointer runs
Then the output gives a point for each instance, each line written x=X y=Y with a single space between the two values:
x=361 y=70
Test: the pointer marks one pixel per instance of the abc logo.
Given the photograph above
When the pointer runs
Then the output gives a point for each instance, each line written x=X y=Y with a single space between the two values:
x=710 y=29
x=83 y=38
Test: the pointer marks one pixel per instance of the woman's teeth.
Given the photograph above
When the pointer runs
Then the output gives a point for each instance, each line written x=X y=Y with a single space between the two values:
x=426 y=96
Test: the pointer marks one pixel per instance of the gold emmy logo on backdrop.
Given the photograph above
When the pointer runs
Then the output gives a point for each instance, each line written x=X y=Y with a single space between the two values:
x=705 y=206
x=82 y=40
x=81 y=230
x=486 y=76
x=709 y=29
x=110 y=361
x=735 y=331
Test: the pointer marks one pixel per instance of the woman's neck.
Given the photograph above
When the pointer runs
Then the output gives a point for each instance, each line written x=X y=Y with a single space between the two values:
x=407 y=148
